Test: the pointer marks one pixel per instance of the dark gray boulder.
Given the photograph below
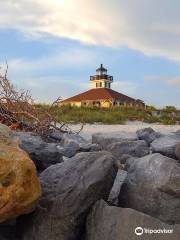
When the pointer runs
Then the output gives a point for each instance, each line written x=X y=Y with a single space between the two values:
x=116 y=189
x=166 y=145
x=177 y=152
x=129 y=162
x=76 y=138
x=8 y=230
x=147 y=134
x=134 y=148
x=45 y=154
x=69 y=190
x=123 y=159
x=73 y=143
x=112 y=223
x=56 y=136
x=66 y=159
x=118 y=165
x=69 y=150
x=153 y=187
x=3 y=238
x=177 y=132
x=105 y=139
x=89 y=147
x=42 y=153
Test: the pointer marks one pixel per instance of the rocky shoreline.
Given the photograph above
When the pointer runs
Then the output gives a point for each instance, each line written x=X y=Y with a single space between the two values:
x=130 y=127
x=96 y=190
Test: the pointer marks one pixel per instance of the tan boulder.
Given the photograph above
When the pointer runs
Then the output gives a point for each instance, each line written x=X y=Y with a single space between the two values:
x=178 y=151
x=19 y=185
x=6 y=135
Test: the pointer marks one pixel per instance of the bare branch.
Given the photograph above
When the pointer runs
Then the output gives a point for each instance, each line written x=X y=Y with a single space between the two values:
x=18 y=111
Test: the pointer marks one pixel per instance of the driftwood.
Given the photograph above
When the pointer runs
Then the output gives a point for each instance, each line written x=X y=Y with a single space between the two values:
x=18 y=111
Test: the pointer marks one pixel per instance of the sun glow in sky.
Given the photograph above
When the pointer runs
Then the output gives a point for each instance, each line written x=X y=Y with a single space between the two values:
x=52 y=46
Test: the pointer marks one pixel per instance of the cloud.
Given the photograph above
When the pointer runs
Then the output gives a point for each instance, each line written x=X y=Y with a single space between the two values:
x=170 y=80
x=156 y=78
x=65 y=59
x=128 y=88
x=148 y=26
x=56 y=74
x=174 y=82
x=47 y=89
x=41 y=76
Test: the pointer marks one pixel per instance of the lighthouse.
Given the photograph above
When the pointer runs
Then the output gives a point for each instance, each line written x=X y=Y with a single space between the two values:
x=101 y=94
x=101 y=79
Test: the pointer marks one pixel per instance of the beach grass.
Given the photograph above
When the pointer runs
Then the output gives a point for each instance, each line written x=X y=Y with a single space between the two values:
x=115 y=115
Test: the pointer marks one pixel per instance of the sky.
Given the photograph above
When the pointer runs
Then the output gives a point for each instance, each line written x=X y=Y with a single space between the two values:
x=53 y=46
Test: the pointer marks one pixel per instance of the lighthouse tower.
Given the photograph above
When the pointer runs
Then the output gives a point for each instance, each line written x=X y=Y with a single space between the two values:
x=101 y=79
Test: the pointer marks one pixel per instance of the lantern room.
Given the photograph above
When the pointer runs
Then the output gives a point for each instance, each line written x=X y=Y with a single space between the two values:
x=101 y=79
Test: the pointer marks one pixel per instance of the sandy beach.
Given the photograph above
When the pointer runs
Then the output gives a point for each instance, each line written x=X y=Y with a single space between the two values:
x=90 y=129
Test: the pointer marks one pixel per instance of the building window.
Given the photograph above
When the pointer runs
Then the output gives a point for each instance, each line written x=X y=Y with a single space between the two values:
x=100 y=84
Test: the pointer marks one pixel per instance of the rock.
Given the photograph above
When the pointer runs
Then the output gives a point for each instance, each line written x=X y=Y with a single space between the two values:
x=177 y=152
x=69 y=138
x=177 y=132
x=147 y=134
x=6 y=135
x=43 y=154
x=166 y=145
x=129 y=162
x=8 y=231
x=105 y=139
x=119 y=165
x=134 y=148
x=66 y=159
x=56 y=136
x=72 y=148
x=153 y=187
x=115 y=191
x=74 y=143
x=89 y=147
x=123 y=158
x=112 y=223
x=69 y=190
x=19 y=186
x=69 y=150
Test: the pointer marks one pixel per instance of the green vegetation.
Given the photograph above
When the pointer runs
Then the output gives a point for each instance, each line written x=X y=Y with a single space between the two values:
x=116 y=115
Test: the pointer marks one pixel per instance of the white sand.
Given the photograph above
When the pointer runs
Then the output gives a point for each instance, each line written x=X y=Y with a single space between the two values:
x=90 y=129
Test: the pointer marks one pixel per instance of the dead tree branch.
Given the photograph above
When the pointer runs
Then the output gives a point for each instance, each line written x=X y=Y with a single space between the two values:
x=18 y=111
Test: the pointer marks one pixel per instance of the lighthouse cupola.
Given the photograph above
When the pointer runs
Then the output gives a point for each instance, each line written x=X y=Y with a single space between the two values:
x=101 y=79
x=101 y=70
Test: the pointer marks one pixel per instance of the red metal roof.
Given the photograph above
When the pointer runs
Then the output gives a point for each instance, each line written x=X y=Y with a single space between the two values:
x=99 y=94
